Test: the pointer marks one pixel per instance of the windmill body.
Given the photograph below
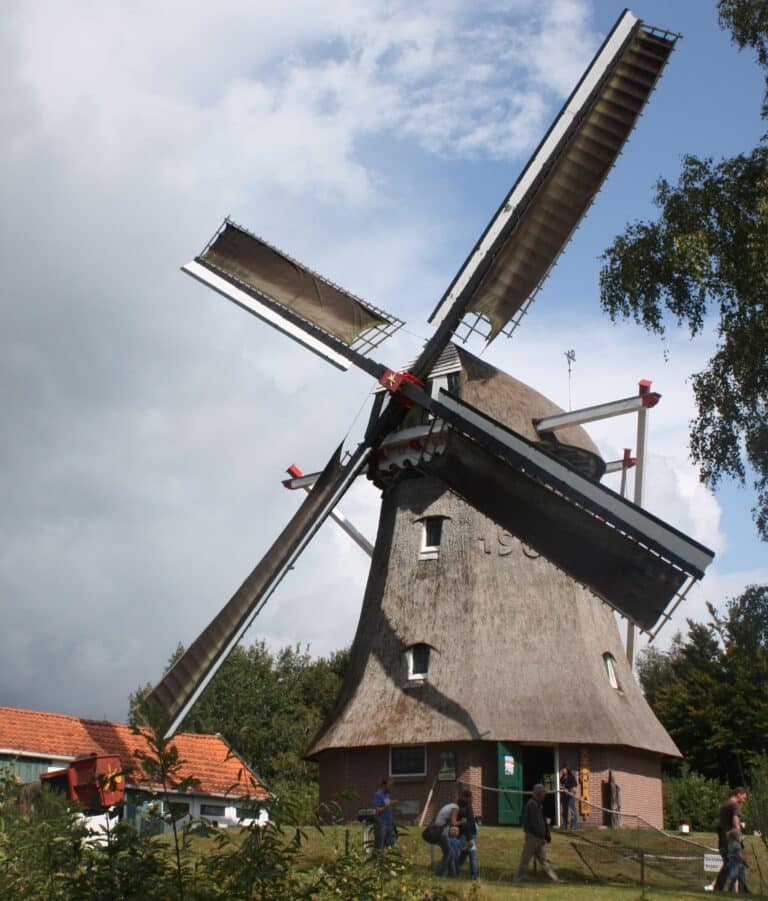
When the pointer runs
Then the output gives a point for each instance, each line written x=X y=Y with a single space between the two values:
x=477 y=649
x=486 y=627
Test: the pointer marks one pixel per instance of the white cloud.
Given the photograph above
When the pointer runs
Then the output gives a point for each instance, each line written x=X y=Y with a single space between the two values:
x=147 y=425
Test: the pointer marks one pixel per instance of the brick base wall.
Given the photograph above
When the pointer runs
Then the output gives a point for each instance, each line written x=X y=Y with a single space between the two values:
x=349 y=778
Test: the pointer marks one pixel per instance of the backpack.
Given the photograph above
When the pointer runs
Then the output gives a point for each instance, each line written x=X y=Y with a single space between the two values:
x=432 y=834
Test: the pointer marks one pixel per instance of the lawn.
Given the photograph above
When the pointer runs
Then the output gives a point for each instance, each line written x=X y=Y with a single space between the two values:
x=615 y=872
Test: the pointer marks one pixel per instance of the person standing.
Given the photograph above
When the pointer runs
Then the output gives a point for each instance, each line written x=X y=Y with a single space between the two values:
x=384 y=834
x=468 y=834
x=569 y=818
x=536 y=835
x=729 y=819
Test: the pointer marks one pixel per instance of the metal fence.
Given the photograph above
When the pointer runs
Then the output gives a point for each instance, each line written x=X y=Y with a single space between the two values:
x=655 y=866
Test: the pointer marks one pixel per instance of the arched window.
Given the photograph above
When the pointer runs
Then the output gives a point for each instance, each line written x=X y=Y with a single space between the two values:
x=610 y=668
x=418 y=661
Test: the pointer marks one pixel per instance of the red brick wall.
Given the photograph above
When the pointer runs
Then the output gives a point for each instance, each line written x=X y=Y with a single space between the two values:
x=637 y=773
x=359 y=772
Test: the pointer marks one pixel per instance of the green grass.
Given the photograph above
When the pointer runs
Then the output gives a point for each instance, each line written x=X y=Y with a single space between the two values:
x=499 y=851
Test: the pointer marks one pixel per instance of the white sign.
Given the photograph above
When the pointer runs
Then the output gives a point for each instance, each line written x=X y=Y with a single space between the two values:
x=712 y=863
x=509 y=765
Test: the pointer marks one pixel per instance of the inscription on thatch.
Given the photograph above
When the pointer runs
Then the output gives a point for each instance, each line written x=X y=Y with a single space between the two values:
x=503 y=543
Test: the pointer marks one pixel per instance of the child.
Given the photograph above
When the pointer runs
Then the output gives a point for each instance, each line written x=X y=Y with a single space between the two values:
x=736 y=874
x=454 y=842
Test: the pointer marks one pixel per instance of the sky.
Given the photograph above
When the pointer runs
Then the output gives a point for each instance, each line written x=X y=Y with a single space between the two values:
x=146 y=423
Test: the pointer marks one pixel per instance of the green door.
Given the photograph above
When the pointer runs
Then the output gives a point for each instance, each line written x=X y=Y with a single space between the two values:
x=510 y=776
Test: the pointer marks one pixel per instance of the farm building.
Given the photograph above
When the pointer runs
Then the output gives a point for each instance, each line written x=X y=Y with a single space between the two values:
x=33 y=742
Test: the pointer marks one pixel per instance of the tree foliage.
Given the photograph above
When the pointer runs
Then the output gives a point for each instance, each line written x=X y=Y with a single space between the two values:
x=268 y=706
x=710 y=690
x=705 y=258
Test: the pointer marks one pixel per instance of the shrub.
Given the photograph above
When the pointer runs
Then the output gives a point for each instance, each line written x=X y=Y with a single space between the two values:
x=692 y=798
x=39 y=845
x=353 y=877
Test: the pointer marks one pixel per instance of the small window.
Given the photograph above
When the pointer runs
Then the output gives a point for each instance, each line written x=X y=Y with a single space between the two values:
x=418 y=661
x=408 y=761
x=610 y=668
x=212 y=810
x=431 y=536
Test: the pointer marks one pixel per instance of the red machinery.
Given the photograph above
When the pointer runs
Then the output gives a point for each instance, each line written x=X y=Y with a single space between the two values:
x=95 y=781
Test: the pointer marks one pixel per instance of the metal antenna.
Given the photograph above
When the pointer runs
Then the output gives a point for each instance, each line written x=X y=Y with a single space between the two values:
x=570 y=355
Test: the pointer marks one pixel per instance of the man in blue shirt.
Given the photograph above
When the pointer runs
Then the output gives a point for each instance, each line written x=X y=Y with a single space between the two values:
x=384 y=825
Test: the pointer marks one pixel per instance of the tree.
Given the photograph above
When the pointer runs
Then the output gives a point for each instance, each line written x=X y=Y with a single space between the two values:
x=267 y=705
x=682 y=687
x=707 y=254
x=710 y=690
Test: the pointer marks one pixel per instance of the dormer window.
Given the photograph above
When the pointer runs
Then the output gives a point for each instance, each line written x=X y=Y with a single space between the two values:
x=610 y=669
x=431 y=536
x=418 y=661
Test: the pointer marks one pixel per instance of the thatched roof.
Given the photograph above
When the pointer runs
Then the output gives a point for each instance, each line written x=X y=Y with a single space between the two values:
x=518 y=646
x=518 y=406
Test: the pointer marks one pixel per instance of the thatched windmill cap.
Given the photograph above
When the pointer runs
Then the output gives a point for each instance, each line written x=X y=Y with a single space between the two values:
x=519 y=407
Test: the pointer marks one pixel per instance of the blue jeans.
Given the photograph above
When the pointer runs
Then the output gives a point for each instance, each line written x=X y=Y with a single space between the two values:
x=383 y=836
x=448 y=861
x=735 y=874
x=471 y=853
x=572 y=820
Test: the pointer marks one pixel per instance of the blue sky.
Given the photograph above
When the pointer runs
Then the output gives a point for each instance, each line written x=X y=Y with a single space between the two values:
x=147 y=424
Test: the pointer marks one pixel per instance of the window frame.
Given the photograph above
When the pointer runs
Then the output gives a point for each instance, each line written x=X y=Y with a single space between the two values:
x=431 y=551
x=406 y=775
x=420 y=676
x=222 y=807
x=609 y=662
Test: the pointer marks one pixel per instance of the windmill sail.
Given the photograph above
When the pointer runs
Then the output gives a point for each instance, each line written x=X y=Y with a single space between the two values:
x=634 y=561
x=289 y=296
x=183 y=684
x=532 y=226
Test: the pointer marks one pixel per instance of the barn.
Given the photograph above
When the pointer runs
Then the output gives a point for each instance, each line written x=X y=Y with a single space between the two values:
x=33 y=742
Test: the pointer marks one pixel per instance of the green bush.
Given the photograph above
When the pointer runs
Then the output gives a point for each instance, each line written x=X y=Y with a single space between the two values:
x=353 y=877
x=692 y=798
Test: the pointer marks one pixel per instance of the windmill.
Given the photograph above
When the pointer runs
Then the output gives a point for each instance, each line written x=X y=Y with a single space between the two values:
x=433 y=433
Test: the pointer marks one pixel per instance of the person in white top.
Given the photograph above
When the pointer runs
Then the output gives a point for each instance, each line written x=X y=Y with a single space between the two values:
x=447 y=816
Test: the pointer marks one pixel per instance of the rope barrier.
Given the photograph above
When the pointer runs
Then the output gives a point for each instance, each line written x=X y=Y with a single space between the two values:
x=619 y=813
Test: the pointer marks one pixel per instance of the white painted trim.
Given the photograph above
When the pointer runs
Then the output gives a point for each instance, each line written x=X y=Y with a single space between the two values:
x=610 y=668
x=36 y=755
x=430 y=551
x=537 y=162
x=263 y=312
x=412 y=676
x=591 y=414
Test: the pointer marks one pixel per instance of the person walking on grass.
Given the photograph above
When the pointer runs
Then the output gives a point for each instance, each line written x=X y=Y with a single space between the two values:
x=536 y=836
x=729 y=819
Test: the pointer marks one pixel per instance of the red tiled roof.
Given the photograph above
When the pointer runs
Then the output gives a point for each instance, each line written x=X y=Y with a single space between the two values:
x=206 y=757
